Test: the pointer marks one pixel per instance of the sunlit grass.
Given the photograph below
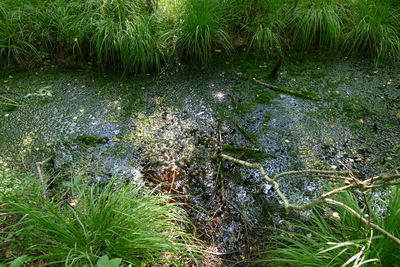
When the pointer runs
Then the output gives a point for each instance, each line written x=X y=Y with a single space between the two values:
x=326 y=240
x=143 y=35
x=202 y=28
x=121 y=221
x=316 y=23
x=15 y=39
x=266 y=30
x=374 y=30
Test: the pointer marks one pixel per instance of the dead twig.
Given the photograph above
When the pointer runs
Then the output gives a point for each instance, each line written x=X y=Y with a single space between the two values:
x=351 y=179
x=367 y=222
x=39 y=168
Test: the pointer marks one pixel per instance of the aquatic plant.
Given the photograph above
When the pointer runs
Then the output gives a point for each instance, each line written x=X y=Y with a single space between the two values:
x=120 y=221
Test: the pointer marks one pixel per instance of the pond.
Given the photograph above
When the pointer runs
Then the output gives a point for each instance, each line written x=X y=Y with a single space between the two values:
x=170 y=127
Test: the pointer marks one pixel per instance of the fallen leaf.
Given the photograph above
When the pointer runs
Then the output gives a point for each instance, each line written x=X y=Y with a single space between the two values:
x=116 y=139
x=335 y=215
x=73 y=202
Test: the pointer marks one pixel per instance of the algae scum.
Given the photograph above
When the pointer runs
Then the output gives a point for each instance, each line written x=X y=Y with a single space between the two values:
x=169 y=129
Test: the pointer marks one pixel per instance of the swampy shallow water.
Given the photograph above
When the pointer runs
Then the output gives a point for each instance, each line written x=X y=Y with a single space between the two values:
x=169 y=128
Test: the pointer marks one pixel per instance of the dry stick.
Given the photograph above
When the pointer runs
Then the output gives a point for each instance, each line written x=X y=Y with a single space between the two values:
x=218 y=253
x=376 y=227
x=10 y=104
x=279 y=192
x=344 y=178
x=9 y=99
x=276 y=177
x=381 y=185
x=325 y=197
x=356 y=183
x=39 y=168
x=263 y=173
x=321 y=199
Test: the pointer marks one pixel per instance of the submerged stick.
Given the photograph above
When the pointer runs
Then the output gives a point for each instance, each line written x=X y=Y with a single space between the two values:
x=303 y=94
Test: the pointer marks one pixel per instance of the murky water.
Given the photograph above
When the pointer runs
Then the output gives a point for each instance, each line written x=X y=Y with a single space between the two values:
x=169 y=127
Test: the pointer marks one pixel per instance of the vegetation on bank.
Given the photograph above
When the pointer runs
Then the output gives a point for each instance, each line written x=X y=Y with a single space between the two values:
x=337 y=238
x=144 y=35
x=81 y=225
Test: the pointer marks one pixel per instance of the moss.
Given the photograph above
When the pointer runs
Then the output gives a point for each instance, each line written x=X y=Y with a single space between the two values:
x=244 y=108
x=7 y=108
x=265 y=97
x=356 y=110
x=299 y=93
x=245 y=153
x=317 y=74
x=92 y=140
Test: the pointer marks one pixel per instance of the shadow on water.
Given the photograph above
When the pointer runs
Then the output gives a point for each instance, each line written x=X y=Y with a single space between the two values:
x=168 y=129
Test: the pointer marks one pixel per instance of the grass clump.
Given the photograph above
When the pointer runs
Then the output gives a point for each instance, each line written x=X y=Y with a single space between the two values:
x=339 y=240
x=202 y=28
x=374 y=30
x=121 y=34
x=316 y=24
x=265 y=30
x=16 y=40
x=119 y=221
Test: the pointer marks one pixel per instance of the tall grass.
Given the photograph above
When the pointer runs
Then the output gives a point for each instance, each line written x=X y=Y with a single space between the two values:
x=316 y=23
x=328 y=241
x=16 y=40
x=265 y=30
x=143 y=35
x=374 y=30
x=120 y=221
x=120 y=34
x=202 y=28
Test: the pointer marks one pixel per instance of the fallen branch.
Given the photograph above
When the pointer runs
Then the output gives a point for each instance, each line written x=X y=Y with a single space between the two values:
x=353 y=182
x=325 y=198
x=311 y=172
x=299 y=93
x=376 y=227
